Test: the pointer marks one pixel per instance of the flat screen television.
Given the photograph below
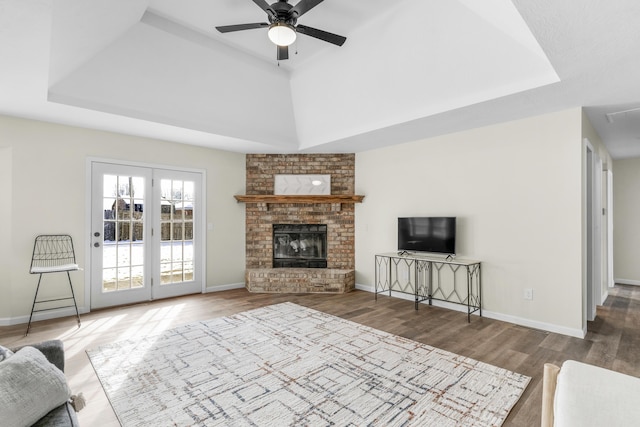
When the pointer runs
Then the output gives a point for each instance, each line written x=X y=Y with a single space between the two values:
x=427 y=234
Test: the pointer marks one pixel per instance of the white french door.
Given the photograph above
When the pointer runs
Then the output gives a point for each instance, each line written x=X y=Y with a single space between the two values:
x=177 y=244
x=146 y=234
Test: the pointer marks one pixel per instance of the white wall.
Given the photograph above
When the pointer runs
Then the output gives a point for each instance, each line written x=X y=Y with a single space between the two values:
x=626 y=220
x=516 y=189
x=5 y=225
x=43 y=190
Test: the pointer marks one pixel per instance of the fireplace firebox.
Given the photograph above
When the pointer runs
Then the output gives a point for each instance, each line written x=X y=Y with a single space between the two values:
x=300 y=245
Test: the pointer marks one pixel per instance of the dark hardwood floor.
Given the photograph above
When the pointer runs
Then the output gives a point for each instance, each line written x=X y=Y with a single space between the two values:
x=613 y=339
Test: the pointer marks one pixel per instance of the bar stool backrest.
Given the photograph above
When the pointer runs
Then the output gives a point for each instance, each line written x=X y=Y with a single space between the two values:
x=53 y=253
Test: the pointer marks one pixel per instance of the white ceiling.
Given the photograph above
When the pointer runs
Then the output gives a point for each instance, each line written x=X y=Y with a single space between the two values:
x=410 y=69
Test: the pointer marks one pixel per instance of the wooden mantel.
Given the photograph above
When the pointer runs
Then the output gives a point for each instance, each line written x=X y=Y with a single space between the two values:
x=281 y=198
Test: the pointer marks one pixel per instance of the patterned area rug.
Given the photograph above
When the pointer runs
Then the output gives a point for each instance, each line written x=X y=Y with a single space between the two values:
x=287 y=365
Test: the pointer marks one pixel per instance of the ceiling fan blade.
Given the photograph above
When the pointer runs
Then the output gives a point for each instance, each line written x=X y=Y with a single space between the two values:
x=283 y=53
x=322 y=35
x=303 y=7
x=266 y=7
x=240 y=27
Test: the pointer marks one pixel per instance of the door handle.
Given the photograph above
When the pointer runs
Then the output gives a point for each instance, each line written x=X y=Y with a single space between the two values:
x=96 y=234
x=96 y=244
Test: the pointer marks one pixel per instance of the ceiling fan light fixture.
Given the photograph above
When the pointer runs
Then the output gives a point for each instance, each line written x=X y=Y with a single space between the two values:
x=282 y=34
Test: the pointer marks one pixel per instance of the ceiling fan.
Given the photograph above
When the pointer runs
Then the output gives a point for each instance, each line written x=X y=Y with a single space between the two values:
x=283 y=18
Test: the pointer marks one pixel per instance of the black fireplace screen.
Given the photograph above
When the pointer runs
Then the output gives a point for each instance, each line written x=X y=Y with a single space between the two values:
x=300 y=245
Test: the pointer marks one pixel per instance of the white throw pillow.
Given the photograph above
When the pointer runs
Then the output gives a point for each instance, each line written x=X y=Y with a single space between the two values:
x=30 y=387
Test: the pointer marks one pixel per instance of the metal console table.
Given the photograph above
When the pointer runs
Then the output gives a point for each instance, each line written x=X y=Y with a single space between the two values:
x=422 y=276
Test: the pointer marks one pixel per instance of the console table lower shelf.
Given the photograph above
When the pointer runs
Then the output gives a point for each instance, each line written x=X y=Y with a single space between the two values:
x=430 y=278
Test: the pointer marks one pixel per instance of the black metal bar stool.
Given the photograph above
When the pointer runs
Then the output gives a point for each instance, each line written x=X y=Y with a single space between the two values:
x=53 y=253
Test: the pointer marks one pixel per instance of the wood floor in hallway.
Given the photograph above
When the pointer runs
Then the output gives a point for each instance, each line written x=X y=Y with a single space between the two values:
x=612 y=341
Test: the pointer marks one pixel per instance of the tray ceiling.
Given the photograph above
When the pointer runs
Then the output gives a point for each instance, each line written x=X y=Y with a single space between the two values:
x=410 y=69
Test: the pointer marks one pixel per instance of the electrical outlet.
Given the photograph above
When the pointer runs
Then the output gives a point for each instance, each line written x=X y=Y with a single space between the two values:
x=528 y=294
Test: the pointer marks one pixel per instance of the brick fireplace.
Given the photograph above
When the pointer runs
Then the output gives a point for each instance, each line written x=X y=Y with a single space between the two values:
x=338 y=218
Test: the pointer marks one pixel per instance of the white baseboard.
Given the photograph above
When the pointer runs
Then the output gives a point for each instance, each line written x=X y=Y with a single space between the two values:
x=534 y=324
x=366 y=288
x=627 y=282
x=43 y=315
x=70 y=311
x=224 y=287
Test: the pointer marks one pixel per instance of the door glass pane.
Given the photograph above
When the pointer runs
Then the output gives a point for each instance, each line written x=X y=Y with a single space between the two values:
x=176 y=228
x=123 y=233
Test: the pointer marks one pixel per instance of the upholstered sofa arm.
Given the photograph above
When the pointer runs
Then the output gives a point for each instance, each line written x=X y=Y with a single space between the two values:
x=549 y=379
x=53 y=350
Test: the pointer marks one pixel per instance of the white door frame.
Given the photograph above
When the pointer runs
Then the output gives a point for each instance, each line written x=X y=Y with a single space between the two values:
x=592 y=232
x=599 y=283
x=610 y=282
x=201 y=222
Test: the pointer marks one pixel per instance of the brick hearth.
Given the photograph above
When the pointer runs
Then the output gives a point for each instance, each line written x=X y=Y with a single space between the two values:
x=300 y=280
x=260 y=217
